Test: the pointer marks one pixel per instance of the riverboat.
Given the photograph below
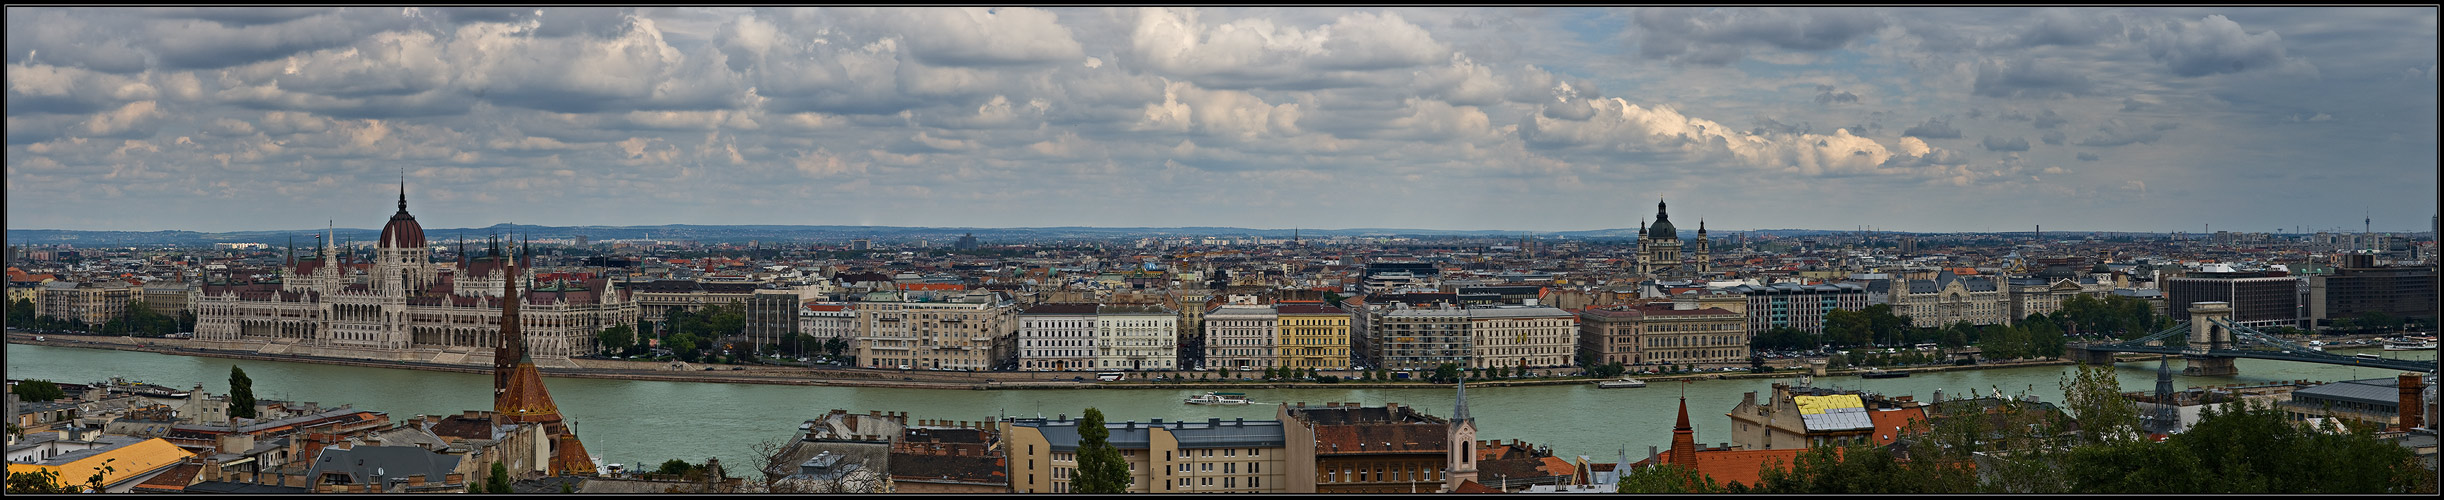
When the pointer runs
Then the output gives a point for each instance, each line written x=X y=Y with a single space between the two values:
x=1880 y=373
x=1623 y=383
x=1218 y=398
x=2410 y=345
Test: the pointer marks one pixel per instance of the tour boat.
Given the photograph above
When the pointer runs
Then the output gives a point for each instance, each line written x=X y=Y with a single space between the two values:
x=1218 y=398
x=2410 y=345
x=1623 y=383
x=1880 y=373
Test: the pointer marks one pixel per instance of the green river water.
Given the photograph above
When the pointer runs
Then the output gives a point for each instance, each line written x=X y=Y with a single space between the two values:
x=633 y=422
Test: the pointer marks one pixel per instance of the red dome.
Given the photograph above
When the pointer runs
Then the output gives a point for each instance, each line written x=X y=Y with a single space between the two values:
x=403 y=230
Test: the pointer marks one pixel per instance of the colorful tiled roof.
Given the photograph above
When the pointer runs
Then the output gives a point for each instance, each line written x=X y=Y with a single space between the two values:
x=136 y=459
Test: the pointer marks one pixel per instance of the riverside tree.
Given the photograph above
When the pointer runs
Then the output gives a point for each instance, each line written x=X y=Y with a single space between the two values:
x=241 y=394
x=1100 y=468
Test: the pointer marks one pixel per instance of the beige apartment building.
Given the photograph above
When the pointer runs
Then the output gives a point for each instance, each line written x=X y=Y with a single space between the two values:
x=1313 y=336
x=1666 y=333
x=92 y=303
x=1522 y=337
x=970 y=332
x=1212 y=456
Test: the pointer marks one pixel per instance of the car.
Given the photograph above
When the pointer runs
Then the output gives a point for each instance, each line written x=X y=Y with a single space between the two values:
x=801 y=360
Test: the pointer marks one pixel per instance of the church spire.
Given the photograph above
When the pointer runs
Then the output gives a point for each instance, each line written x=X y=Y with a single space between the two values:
x=402 y=191
x=1684 y=439
x=1459 y=413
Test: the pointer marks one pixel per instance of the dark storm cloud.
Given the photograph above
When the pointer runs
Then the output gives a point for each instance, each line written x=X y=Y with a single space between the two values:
x=1993 y=143
x=1721 y=36
x=2028 y=78
x=1934 y=128
x=2085 y=156
x=2120 y=134
x=2214 y=45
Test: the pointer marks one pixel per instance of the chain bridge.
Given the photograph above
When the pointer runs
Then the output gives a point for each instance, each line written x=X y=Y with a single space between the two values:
x=2209 y=341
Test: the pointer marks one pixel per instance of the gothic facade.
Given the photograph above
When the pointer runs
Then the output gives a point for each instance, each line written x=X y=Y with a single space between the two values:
x=404 y=306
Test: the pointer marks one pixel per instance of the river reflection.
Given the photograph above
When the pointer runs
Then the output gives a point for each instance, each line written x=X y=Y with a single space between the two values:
x=646 y=422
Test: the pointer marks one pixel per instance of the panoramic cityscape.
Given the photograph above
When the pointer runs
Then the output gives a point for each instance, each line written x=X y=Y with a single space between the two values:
x=1009 y=250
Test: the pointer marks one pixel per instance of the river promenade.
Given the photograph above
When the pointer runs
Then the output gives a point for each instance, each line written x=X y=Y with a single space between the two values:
x=904 y=379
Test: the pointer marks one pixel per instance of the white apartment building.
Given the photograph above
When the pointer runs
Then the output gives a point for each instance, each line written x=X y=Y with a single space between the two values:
x=1057 y=337
x=1136 y=337
x=1522 y=336
x=1240 y=337
x=826 y=321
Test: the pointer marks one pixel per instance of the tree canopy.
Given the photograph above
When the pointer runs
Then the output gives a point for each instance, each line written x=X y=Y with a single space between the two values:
x=241 y=394
x=39 y=390
x=1100 y=467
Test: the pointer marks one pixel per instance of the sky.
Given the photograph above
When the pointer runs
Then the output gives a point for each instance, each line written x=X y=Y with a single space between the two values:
x=1527 y=119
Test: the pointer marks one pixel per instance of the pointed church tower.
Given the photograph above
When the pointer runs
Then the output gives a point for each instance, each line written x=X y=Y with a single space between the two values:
x=1684 y=440
x=1460 y=457
x=2167 y=417
x=511 y=346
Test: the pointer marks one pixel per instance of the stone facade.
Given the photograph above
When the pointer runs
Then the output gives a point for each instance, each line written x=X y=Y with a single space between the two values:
x=1240 y=337
x=403 y=306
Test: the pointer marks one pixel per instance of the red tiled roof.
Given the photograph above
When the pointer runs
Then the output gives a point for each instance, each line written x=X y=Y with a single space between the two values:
x=1886 y=422
x=1743 y=466
x=171 y=481
x=1471 y=486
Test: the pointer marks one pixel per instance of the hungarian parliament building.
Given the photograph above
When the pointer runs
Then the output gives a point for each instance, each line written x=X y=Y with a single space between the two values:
x=405 y=307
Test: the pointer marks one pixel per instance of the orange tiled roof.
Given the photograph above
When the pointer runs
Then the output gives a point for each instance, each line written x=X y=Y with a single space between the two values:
x=143 y=457
x=1743 y=466
x=1471 y=486
x=1888 y=421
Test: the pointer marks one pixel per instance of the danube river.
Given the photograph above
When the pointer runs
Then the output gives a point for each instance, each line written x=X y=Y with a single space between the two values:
x=633 y=422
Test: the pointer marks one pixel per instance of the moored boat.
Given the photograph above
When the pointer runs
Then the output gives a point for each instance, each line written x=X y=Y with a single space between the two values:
x=2410 y=345
x=1623 y=383
x=1218 y=398
x=1880 y=373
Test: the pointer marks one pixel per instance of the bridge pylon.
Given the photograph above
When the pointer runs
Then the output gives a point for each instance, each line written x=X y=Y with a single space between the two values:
x=2207 y=333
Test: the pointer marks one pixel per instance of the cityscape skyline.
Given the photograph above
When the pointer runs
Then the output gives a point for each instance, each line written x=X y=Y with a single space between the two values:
x=1512 y=119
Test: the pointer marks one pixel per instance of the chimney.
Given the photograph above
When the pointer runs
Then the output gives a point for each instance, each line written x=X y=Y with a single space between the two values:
x=454 y=478
x=2412 y=408
x=415 y=480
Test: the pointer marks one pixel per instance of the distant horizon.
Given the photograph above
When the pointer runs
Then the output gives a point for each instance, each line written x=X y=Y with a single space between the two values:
x=433 y=233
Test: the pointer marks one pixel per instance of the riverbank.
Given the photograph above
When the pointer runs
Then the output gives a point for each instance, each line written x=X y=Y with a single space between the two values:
x=908 y=379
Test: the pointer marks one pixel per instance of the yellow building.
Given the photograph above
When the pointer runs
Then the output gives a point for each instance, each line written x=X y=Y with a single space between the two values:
x=1213 y=456
x=130 y=463
x=1312 y=336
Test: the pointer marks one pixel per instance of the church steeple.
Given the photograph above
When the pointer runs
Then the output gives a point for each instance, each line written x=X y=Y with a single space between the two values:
x=1460 y=410
x=1684 y=439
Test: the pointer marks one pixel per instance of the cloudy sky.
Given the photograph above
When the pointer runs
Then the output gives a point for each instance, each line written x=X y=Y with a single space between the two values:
x=1530 y=119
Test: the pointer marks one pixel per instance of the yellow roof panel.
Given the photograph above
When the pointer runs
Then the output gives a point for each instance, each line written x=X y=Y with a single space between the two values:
x=126 y=462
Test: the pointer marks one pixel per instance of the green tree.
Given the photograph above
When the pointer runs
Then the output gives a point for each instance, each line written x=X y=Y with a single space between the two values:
x=21 y=312
x=2134 y=466
x=1446 y=373
x=676 y=467
x=2095 y=396
x=1100 y=467
x=39 y=390
x=241 y=394
x=1864 y=468
x=38 y=481
x=499 y=481
x=1667 y=478
x=615 y=338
